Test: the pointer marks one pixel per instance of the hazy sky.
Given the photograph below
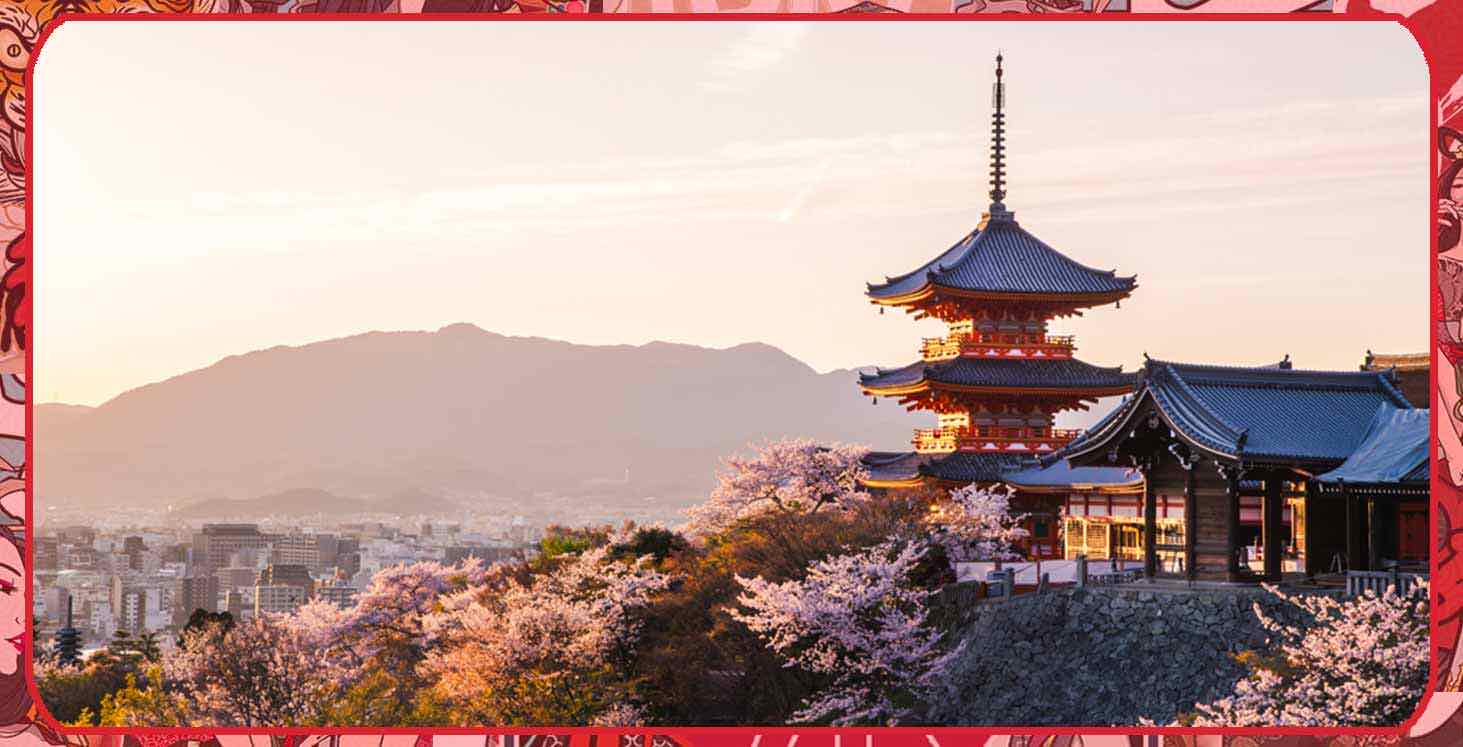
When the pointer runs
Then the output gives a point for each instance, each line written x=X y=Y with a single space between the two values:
x=206 y=189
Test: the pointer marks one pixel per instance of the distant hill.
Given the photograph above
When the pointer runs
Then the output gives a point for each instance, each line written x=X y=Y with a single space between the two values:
x=59 y=414
x=459 y=409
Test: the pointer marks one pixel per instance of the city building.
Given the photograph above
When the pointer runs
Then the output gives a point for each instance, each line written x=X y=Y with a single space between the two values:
x=216 y=544
x=339 y=593
x=196 y=592
x=275 y=598
x=136 y=606
x=287 y=574
x=295 y=549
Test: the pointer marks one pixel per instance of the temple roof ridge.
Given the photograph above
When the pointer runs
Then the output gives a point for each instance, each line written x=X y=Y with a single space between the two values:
x=1253 y=413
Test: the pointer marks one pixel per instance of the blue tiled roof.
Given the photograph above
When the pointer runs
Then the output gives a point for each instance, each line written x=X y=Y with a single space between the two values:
x=1004 y=258
x=1394 y=450
x=1061 y=473
x=892 y=465
x=1059 y=373
x=1264 y=413
x=975 y=466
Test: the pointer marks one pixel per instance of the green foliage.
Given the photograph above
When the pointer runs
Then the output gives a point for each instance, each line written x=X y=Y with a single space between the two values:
x=74 y=695
x=658 y=542
x=143 y=704
x=561 y=540
x=385 y=696
x=698 y=665
x=547 y=698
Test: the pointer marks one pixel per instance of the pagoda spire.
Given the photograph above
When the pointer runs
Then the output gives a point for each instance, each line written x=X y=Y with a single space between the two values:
x=998 y=141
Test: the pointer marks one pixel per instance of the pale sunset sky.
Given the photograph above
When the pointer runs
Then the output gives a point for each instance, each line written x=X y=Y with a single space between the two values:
x=210 y=188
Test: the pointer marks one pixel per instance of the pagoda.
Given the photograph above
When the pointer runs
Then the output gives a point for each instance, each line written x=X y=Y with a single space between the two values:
x=997 y=379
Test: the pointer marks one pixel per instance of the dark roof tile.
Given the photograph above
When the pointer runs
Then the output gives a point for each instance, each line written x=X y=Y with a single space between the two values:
x=1269 y=413
x=1004 y=258
x=1058 y=373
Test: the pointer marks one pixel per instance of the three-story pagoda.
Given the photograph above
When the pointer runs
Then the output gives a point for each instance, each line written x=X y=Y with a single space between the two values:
x=998 y=378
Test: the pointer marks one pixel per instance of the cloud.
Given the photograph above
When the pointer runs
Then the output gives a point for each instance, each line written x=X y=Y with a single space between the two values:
x=795 y=205
x=1280 y=157
x=762 y=47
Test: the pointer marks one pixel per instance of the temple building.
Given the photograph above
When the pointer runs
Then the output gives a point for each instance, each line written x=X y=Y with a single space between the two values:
x=1203 y=472
x=1279 y=469
x=997 y=379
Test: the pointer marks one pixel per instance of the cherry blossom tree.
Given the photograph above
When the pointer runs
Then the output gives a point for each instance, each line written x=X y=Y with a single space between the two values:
x=796 y=476
x=1364 y=662
x=859 y=621
x=544 y=651
x=256 y=673
x=976 y=524
x=380 y=640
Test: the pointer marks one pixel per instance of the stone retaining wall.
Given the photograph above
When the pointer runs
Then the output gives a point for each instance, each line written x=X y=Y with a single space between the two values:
x=1099 y=655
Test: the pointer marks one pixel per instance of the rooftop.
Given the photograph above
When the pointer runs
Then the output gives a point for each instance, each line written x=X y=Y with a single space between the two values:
x=1064 y=374
x=1262 y=413
x=1002 y=259
x=1399 y=361
x=1395 y=449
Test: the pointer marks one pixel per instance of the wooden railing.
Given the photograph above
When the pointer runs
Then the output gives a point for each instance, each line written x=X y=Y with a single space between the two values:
x=992 y=438
x=1003 y=344
x=1121 y=537
x=1377 y=582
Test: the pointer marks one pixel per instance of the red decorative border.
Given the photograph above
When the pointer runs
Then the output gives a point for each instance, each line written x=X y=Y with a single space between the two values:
x=1436 y=24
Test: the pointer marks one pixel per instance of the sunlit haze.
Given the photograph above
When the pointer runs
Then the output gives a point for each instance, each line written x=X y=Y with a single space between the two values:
x=207 y=189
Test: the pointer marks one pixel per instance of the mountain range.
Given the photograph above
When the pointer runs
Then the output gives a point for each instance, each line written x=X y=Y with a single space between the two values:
x=457 y=411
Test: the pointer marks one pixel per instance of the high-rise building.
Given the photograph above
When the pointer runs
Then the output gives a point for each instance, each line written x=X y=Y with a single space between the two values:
x=129 y=604
x=287 y=574
x=216 y=544
x=277 y=598
x=195 y=592
x=236 y=577
x=340 y=594
x=233 y=603
x=47 y=553
x=348 y=555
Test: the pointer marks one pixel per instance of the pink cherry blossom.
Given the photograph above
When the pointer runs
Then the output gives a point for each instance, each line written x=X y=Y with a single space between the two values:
x=858 y=620
x=790 y=475
x=976 y=524
x=1364 y=662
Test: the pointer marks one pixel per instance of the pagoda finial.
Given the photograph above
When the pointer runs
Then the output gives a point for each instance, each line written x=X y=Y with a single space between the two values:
x=998 y=139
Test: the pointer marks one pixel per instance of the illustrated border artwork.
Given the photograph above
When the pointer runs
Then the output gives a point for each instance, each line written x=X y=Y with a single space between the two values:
x=1437 y=25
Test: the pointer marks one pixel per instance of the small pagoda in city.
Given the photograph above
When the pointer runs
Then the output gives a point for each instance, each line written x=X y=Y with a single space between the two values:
x=997 y=379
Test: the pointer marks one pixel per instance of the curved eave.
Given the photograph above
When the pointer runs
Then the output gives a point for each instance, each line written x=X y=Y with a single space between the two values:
x=1079 y=488
x=929 y=290
x=918 y=387
x=1419 y=489
x=943 y=482
x=1059 y=390
x=1115 y=430
x=925 y=386
x=903 y=299
x=1080 y=299
x=909 y=482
